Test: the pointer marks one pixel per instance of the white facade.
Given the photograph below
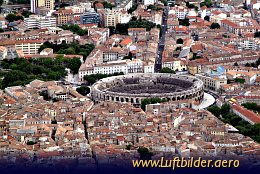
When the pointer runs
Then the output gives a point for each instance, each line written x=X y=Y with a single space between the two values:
x=175 y=65
x=256 y=5
x=125 y=5
x=81 y=8
x=149 y=2
x=125 y=66
x=212 y=83
x=33 y=5
x=112 y=18
x=125 y=18
x=180 y=11
x=35 y=21
x=29 y=47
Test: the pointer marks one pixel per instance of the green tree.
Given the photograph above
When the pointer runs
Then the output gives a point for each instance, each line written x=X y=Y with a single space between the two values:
x=179 y=41
x=30 y=143
x=214 y=26
x=184 y=22
x=240 y=80
x=10 y=17
x=206 y=18
x=165 y=2
x=215 y=110
x=74 y=65
x=257 y=34
x=167 y=70
x=83 y=90
x=13 y=76
x=141 y=24
x=207 y=3
x=151 y=101
x=132 y=9
x=108 y=5
x=225 y=108
x=190 y=5
x=251 y=106
x=144 y=153
x=75 y=29
x=1 y=30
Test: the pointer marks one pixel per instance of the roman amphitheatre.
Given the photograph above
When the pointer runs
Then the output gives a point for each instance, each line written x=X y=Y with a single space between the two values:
x=134 y=88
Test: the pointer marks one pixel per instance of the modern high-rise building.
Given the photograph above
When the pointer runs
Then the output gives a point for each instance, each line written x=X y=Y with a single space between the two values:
x=49 y=4
x=33 y=5
x=90 y=18
x=112 y=17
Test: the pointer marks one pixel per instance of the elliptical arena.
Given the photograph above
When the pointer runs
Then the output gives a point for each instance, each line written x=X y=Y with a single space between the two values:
x=134 y=88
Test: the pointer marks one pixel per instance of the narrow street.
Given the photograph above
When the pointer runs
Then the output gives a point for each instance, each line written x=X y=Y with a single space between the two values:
x=158 y=63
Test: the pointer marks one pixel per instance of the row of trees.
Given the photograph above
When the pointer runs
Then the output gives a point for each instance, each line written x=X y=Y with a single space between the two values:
x=13 y=17
x=22 y=71
x=105 y=4
x=167 y=70
x=75 y=29
x=72 y=48
x=134 y=23
x=224 y=113
x=251 y=106
x=151 y=101
x=207 y=3
x=154 y=7
x=91 y=79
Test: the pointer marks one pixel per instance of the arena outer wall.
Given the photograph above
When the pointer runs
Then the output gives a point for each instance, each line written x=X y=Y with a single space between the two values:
x=100 y=91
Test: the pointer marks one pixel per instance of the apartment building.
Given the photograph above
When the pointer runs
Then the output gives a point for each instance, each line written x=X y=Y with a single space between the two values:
x=64 y=16
x=113 y=54
x=212 y=82
x=112 y=17
x=124 y=5
x=247 y=43
x=240 y=26
x=180 y=11
x=125 y=66
x=48 y=4
x=149 y=2
x=174 y=64
x=90 y=18
x=35 y=21
x=26 y=46
x=80 y=8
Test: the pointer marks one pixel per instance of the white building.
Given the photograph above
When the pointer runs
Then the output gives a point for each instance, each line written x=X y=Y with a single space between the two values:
x=175 y=64
x=81 y=8
x=48 y=4
x=125 y=18
x=112 y=17
x=35 y=21
x=125 y=66
x=180 y=11
x=125 y=5
x=149 y=2
x=212 y=82
x=28 y=46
